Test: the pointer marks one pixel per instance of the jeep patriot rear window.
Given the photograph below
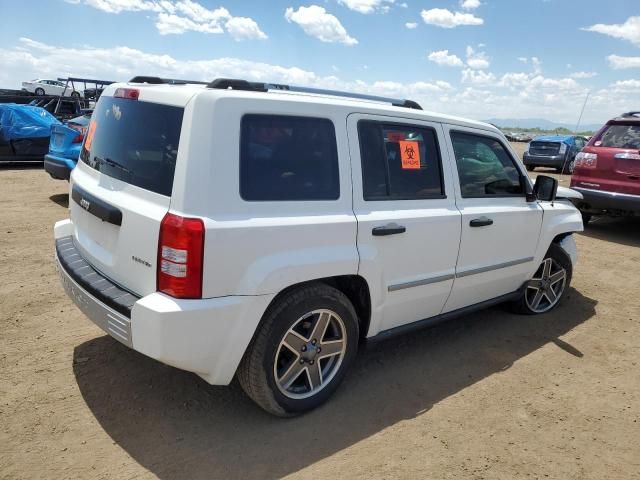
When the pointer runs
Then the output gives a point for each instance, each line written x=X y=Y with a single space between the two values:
x=136 y=142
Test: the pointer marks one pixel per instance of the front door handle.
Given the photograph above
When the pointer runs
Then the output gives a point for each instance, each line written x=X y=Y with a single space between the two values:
x=388 y=229
x=481 y=222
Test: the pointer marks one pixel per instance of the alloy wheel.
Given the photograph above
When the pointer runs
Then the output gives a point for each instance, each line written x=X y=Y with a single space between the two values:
x=310 y=354
x=545 y=288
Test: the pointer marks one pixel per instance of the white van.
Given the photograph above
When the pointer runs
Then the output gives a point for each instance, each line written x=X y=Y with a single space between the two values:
x=265 y=231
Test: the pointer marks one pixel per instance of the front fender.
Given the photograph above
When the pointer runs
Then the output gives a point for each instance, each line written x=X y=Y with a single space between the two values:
x=560 y=217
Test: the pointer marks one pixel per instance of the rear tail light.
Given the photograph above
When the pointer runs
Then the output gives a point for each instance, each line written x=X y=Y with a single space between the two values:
x=586 y=160
x=81 y=132
x=130 y=93
x=180 y=256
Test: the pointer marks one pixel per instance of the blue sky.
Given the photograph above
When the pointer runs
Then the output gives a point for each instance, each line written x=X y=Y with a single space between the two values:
x=477 y=58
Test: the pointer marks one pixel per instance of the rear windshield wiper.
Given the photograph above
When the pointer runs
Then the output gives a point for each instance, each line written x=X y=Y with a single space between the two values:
x=112 y=163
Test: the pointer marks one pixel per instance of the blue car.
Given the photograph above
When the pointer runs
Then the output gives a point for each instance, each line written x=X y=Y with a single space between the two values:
x=64 y=147
x=556 y=151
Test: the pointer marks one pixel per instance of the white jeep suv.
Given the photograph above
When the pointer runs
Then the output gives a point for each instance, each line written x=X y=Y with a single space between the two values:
x=265 y=231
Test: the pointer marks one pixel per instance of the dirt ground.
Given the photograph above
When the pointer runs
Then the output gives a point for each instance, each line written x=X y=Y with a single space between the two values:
x=492 y=395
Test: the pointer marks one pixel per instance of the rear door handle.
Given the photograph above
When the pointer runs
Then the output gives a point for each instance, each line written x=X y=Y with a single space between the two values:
x=388 y=229
x=481 y=222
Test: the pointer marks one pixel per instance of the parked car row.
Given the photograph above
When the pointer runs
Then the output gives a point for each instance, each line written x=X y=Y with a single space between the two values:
x=518 y=137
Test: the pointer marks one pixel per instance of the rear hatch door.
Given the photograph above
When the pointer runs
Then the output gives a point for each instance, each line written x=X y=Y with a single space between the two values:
x=122 y=186
x=617 y=168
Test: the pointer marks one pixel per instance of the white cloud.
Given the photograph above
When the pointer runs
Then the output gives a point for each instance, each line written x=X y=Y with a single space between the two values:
x=367 y=6
x=175 y=17
x=317 y=22
x=477 y=77
x=482 y=94
x=583 y=74
x=523 y=59
x=619 y=63
x=441 y=17
x=442 y=57
x=118 y=6
x=477 y=60
x=244 y=28
x=627 y=85
x=411 y=25
x=470 y=4
x=629 y=30
x=537 y=64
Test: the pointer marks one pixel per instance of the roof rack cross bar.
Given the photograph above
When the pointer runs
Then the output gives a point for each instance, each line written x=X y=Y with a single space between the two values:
x=237 y=84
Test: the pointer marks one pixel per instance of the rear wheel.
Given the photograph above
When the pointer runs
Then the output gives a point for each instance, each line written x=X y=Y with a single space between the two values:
x=548 y=285
x=586 y=218
x=39 y=91
x=75 y=94
x=302 y=351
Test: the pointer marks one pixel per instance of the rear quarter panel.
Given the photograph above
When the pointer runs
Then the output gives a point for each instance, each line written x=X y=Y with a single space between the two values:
x=255 y=248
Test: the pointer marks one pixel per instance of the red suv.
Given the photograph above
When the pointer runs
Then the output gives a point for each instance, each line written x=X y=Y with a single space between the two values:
x=607 y=170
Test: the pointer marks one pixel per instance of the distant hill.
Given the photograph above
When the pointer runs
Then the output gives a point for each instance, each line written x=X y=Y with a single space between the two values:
x=539 y=123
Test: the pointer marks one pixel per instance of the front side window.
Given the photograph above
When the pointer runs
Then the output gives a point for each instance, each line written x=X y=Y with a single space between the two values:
x=399 y=162
x=288 y=158
x=485 y=168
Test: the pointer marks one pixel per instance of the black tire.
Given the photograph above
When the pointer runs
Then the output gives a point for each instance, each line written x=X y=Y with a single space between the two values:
x=557 y=254
x=257 y=371
x=75 y=94
x=530 y=168
x=568 y=168
x=586 y=218
x=39 y=91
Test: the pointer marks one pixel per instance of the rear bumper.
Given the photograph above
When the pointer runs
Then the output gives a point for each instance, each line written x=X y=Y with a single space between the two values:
x=543 y=161
x=207 y=337
x=58 y=167
x=595 y=201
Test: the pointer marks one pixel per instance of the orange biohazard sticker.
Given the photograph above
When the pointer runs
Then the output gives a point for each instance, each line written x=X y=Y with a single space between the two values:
x=410 y=155
x=90 y=133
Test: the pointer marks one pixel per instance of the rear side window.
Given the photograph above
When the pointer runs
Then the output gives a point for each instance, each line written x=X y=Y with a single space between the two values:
x=136 y=142
x=284 y=158
x=485 y=169
x=620 y=136
x=399 y=162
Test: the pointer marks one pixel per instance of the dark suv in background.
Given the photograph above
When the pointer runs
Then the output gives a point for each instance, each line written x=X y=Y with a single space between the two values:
x=556 y=151
x=607 y=171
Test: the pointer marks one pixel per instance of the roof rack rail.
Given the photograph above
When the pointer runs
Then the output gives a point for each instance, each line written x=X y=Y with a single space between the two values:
x=238 y=84
x=160 y=81
x=630 y=114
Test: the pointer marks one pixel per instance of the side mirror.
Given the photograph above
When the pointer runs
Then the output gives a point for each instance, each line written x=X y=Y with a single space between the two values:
x=545 y=188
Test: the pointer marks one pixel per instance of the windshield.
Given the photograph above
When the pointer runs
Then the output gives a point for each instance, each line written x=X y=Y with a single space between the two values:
x=133 y=141
x=620 y=136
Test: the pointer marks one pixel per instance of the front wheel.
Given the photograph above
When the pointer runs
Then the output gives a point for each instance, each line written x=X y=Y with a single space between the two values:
x=302 y=350
x=39 y=91
x=569 y=167
x=548 y=285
